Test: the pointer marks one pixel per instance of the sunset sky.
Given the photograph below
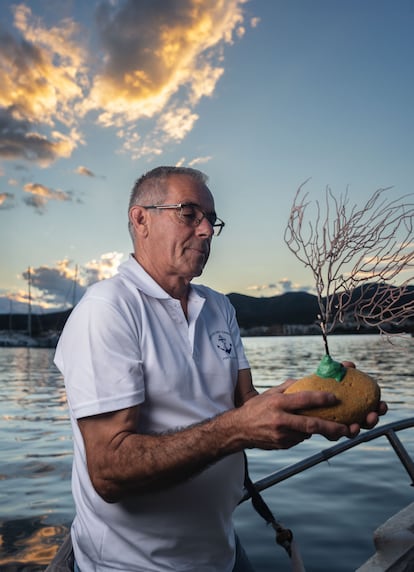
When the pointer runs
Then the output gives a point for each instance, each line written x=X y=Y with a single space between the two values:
x=262 y=95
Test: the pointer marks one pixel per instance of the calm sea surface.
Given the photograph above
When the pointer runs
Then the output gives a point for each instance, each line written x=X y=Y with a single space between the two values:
x=333 y=508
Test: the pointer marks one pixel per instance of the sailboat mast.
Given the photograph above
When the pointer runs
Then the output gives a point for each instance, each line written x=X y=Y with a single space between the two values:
x=10 y=315
x=75 y=280
x=29 y=313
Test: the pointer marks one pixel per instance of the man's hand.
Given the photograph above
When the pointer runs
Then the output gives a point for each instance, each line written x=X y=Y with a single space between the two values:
x=273 y=422
x=371 y=420
x=270 y=421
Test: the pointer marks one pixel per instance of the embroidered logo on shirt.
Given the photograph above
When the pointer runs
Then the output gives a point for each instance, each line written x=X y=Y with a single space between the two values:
x=223 y=344
x=222 y=341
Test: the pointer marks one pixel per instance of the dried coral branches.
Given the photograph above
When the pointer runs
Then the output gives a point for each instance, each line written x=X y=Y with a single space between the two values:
x=355 y=255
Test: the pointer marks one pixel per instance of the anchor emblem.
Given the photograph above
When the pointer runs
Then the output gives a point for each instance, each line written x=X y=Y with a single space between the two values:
x=223 y=345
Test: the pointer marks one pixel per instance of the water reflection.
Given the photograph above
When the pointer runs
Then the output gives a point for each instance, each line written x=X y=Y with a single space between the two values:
x=333 y=509
x=29 y=544
x=35 y=500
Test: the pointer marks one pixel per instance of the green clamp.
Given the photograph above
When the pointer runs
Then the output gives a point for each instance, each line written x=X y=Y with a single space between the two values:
x=330 y=368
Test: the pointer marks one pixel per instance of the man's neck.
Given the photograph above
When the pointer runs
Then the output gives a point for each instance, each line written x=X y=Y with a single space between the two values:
x=176 y=286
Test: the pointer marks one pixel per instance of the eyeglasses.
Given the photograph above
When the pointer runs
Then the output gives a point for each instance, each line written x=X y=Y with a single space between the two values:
x=191 y=215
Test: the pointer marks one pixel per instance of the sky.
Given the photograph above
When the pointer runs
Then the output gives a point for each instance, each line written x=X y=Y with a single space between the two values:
x=261 y=95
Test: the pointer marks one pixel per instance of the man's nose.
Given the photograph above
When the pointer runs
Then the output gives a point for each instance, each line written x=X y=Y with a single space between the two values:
x=205 y=227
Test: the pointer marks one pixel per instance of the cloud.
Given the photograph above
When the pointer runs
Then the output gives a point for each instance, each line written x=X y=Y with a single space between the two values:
x=199 y=161
x=261 y=287
x=84 y=171
x=154 y=61
x=285 y=285
x=105 y=267
x=60 y=286
x=40 y=195
x=55 y=287
x=6 y=201
x=42 y=75
x=43 y=191
x=281 y=287
x=194 y=162
x=176 y=123
x=159 y=63
x=14 y=302
x=39 y=203
x=19 y=141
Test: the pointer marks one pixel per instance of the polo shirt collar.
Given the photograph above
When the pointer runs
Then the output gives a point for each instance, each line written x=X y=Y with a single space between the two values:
x=132 y=271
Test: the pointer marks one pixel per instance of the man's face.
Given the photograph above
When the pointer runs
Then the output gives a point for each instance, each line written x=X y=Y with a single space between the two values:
x=175 y=248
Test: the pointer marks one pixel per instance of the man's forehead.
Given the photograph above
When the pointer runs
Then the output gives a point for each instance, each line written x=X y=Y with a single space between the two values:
x=184 y=188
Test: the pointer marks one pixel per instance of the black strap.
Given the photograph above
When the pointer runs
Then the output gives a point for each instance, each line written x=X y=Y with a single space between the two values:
x=284 y=536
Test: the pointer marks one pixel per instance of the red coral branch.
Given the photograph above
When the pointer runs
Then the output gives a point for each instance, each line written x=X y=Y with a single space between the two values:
x=355 y=256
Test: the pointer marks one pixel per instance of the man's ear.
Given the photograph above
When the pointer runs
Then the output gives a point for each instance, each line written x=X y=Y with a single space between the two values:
x=138 y=217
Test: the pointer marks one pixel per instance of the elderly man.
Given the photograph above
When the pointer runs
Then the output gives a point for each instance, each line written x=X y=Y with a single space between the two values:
x=161 y=397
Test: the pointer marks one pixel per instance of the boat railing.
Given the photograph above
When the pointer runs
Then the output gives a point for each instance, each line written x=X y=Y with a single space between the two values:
x=389 y=431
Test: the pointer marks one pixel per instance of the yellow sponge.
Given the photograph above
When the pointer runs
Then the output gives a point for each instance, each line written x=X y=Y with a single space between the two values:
x=357 y=392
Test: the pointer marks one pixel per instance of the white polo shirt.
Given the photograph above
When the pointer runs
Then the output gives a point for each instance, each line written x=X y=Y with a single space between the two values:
x=126 y=343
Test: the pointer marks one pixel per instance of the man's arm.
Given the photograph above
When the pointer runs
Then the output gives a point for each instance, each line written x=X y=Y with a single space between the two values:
x=122 y=462
x=245 y=389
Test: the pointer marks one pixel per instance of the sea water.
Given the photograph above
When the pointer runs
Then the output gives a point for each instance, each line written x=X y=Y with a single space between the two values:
x=332 y=508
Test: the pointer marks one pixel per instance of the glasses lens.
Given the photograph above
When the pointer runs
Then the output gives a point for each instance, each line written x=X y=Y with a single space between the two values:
x=218 y=227
x=190 y=215
x=193 y=215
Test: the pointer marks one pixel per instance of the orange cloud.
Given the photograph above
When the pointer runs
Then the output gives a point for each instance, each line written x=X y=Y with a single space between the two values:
x=6 y=201
x=54 y=68
x=154 y=62
x=177 y=49
x=40 y=195
x=41 y=75
x=46 y=192
x=84 y=171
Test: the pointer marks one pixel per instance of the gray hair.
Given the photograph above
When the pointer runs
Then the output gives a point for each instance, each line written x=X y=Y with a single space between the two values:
x=151 y=188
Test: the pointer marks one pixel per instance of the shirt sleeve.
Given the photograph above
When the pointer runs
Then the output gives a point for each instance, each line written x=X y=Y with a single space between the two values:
x=99 y=356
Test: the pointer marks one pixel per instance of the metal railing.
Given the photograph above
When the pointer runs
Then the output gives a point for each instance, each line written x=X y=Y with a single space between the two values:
x=389 y=431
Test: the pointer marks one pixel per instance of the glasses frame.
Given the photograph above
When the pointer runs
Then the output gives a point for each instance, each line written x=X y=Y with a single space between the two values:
x=218 y=224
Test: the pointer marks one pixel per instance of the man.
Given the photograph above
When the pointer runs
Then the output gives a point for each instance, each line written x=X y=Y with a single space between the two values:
x=161 y=397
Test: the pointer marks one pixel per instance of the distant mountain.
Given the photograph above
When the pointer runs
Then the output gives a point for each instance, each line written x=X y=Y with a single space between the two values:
x=300 y=307
x=288 y=308
x=41 y=323
x=291 y=308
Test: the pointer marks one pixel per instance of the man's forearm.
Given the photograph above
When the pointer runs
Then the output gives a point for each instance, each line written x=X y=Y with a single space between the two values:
x=135 y=463
x=122 y=462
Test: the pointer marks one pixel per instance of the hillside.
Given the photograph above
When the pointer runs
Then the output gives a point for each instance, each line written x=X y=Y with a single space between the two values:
x=289 y=308
x=301 y=308
x=41 y=323
x=273 y=314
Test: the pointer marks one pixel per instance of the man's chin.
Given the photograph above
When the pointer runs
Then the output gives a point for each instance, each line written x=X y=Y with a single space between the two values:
x=197 y=265
x=197 y=271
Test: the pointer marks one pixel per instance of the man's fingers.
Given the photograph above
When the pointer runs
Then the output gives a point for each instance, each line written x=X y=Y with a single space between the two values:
x=283 y=386
x=308 y=400
x=308 y=426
